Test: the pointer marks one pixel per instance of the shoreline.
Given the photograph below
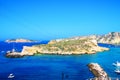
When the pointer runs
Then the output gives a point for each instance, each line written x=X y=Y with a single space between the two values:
x=18 y=54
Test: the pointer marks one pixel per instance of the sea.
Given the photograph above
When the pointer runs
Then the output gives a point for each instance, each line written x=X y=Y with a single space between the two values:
x=55 y=67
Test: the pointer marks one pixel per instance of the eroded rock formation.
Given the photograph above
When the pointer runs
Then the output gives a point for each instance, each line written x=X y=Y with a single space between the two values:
x=98 y=72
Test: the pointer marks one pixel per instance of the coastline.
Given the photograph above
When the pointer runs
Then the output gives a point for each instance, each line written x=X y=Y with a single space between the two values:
x=31 y=51
x=71 y=63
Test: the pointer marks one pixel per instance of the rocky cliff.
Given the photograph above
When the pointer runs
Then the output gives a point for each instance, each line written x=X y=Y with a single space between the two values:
x=110 y=38
x=98 y=72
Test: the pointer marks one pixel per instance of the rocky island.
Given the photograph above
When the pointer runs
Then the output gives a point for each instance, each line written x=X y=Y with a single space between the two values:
x=19 y=40
x=82 y=45
x=71 y=46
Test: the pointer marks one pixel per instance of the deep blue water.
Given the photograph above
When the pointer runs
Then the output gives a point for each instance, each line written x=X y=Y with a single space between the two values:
x=52 y=67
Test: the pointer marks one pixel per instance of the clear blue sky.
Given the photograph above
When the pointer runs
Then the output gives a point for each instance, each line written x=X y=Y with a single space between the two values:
x=51 y=19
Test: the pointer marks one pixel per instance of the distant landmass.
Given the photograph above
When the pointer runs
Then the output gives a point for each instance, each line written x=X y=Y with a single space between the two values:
x=19 y=40
x=110 y=38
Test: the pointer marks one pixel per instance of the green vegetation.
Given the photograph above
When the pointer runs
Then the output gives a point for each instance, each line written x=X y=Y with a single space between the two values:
x=68 y=45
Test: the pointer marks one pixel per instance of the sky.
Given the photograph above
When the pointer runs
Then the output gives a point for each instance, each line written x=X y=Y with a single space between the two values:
x=53 y=19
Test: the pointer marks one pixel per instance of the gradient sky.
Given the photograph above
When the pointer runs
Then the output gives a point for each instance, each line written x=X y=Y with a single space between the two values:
x=51 y=19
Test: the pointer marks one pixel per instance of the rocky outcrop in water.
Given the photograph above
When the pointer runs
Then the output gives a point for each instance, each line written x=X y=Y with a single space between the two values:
x=14 y=55
x=27 y=51
x=98 y=72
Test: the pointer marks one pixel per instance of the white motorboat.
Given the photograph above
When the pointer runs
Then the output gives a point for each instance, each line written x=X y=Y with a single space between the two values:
x=117 y=64
x=11 y=76
x=117 y=71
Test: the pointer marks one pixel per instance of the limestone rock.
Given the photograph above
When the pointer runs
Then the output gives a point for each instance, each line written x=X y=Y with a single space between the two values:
x=98 y=72
x=110 y=38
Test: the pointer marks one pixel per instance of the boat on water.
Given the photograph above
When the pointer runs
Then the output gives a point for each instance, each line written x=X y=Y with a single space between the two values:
x=117 y=71
x=11 y=76
x=117 y=64
x=117 y=67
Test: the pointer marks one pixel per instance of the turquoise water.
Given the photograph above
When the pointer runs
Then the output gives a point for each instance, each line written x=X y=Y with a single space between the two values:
x=55 y=67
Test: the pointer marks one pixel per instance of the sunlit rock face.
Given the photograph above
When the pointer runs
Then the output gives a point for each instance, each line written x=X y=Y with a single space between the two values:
x=110 y=38
x=98 y=72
